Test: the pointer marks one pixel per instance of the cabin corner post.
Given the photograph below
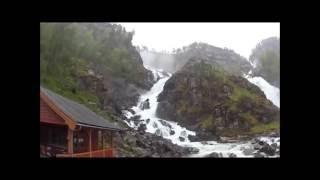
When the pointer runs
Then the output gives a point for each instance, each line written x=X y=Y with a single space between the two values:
x=90 y=142
x=70 y=141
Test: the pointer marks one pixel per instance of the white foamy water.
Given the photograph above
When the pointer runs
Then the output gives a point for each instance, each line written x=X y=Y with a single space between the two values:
x=163 y=127
x=149 y=118
x=272 y=93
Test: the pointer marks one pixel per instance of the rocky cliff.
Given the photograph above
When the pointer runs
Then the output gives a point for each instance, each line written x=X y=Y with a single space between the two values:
x=226 y=58
x=204 y=97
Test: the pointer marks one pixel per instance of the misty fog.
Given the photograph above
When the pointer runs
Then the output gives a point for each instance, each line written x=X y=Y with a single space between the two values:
x=158 y=60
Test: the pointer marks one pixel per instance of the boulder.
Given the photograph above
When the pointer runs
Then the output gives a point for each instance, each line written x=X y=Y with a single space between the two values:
x=232 y=155
x=131 y=111
x=274 y=145
x=257 y=146
x=145 y=105
x=172 y=132
x=213 y=155
x=258 y=155
x=183 y=133
x=193 y=138
x=164 y=123
x=142 y=128
x=158 y=132
x=181 y=138
x=248 y=151
x=136 y=118
x=192 y=150
x=267 y=149
x=155 y=125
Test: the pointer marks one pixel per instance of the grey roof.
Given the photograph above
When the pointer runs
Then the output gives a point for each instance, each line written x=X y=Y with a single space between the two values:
x=81 y=114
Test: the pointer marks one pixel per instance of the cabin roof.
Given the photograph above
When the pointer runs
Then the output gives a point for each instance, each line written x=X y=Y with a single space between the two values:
x=78 y=112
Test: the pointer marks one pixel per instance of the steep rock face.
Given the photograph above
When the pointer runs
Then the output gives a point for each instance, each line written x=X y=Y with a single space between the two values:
x=115 y=94
x=266 y=59
x=226 y=58
x=204 y=97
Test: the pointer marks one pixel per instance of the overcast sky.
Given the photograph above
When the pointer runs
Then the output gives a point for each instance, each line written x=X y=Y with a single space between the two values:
x=240 y=37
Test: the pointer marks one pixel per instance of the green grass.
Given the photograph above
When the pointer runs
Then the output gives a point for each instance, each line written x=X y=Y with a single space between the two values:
x=248 y=117
x=207 y=122
x=261 y=128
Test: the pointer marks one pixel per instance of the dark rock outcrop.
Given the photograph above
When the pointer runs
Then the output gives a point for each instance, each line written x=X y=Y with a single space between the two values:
x=214 y=155
x=135 y=144
x=145 y=105
x=205 y=98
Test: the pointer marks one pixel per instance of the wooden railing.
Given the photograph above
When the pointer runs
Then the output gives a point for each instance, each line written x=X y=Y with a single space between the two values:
x=51 y=150
x=93 y=154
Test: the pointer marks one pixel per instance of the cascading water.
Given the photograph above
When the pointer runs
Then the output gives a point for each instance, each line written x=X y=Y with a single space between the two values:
x=178 y=134
x=167 y=129
x=272 y=93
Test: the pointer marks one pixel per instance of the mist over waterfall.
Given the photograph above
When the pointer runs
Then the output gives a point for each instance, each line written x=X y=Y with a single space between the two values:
x=158 y=60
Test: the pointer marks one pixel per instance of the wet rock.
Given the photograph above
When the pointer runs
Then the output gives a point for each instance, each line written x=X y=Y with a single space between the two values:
x=164 y=123
x=136 y=118
x=136 y=123
x=258 y=155
x=274 y=145
x=158 y=132
x=192 y=150
x=141 y=144
x=193 y=138
x=248 y=151
x=204 y=142
x=257 y=146
x=261 y=143
x=232 y=155
x=142 y=128
x=131 y=111
x=183 y=133
x=155 y=125
x=172 y=132
x=181 y=138
x=156 y=155
x=145 y=105
x=267 y=149
x=213 y=155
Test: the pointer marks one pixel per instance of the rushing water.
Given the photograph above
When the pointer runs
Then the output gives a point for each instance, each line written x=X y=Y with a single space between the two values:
x=178 y=134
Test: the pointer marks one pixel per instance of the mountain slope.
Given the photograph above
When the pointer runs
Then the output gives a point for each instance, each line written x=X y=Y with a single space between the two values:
x=94 y=64
x=203 y=97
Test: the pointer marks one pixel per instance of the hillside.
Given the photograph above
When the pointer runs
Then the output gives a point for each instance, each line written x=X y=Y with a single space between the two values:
x=203 y=97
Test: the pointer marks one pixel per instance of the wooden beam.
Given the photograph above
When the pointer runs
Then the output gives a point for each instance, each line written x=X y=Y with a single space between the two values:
x=69 y=121
x=111 y=139
x=102 y=137
x=70 y=141
x=90 y=142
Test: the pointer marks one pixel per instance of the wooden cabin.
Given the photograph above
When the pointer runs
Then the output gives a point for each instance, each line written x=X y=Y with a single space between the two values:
x=69 y=129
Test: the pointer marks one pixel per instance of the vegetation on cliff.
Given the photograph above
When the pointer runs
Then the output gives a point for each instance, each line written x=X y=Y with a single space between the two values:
x=266 y=57
x=204 y=97
x=83 y=61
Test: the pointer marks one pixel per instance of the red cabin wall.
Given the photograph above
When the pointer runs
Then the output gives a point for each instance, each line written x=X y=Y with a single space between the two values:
x=47 y=115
